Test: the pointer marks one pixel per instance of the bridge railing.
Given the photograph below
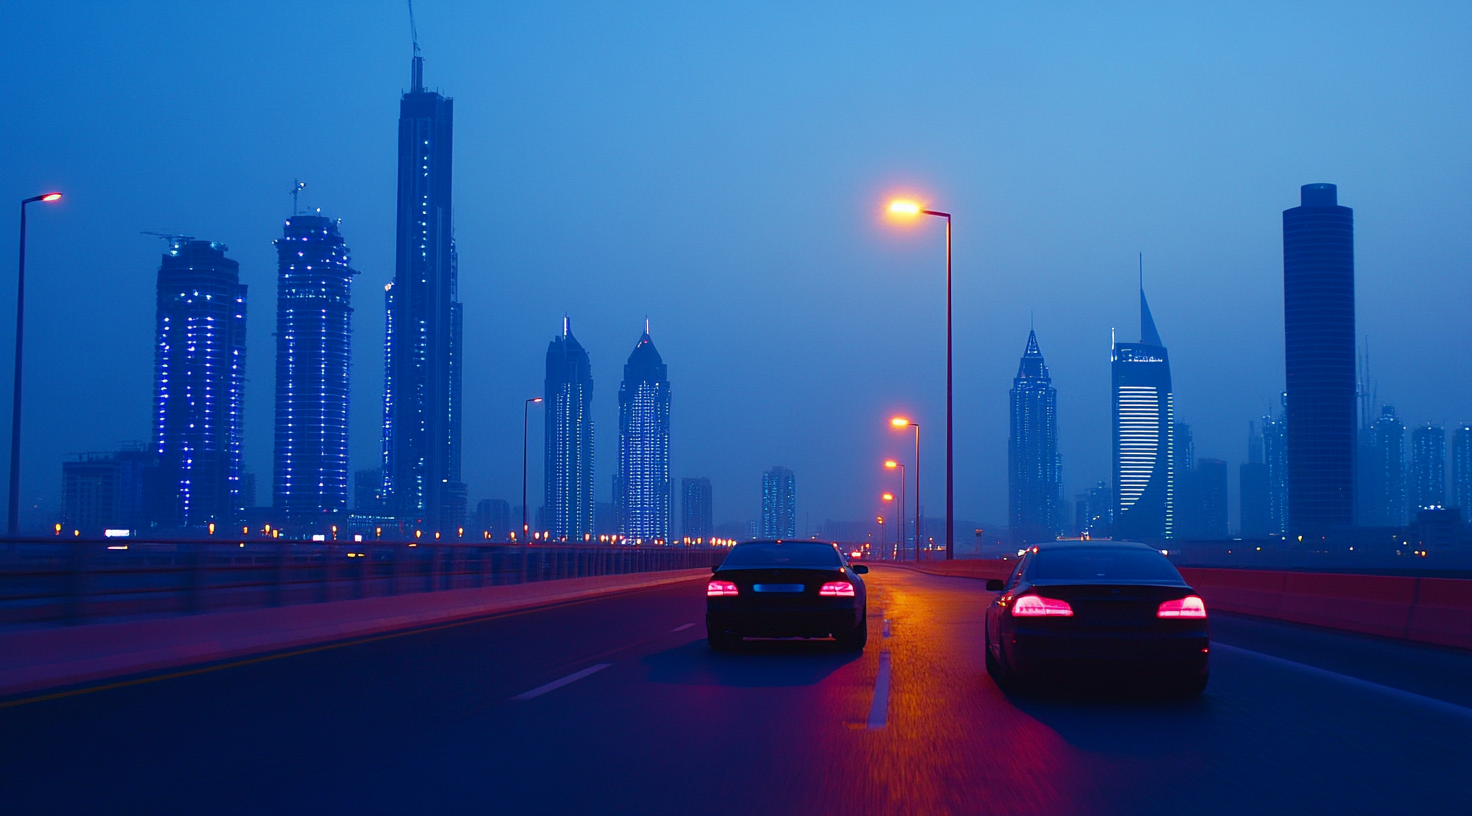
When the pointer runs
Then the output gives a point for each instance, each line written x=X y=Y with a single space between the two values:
x=50 y=583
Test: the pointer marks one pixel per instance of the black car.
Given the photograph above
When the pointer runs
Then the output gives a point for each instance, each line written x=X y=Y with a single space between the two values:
x=786 y=589
x=1114 y=606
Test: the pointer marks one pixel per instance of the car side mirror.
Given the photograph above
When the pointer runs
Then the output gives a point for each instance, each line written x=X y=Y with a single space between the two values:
x=715 y=569
x=860 y=569
x=994 y=585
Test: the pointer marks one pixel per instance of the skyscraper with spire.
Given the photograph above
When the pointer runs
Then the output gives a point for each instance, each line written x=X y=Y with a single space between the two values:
x=422 y=418
x=313 y=331
x=1034 y=470
x=642 y=488
x=568 y=412
x=1144 y=426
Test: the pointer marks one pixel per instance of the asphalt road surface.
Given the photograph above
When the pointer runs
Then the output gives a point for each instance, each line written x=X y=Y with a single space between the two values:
x=616 y=705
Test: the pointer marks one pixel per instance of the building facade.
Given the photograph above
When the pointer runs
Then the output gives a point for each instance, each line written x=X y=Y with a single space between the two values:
x=1428 y=468
x=1275 y=456
x=198 y=385
x=1319 y=357
x=422 y=412
x=1034 y=469
x=642 y=484
x=1461 y=456
x=568 y=410
x=1382 y=464
x=314 y=321
x=779 y=503
x=1144 y=425
x=697 y=518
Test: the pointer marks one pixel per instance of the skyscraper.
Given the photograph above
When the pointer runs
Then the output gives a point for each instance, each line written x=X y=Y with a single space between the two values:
x=1253 y=489
x=313 y=331
x=569 y=503
x=1428 y=467
x=1275 y=456
x=1144 y=424
x=422 y=411
x=1383 y=472
x=1319 y=352
x=198 y=383
x=696 y=509
x=1461 y=493
x=1034 y=477
x=642 y=487
x=779 y=503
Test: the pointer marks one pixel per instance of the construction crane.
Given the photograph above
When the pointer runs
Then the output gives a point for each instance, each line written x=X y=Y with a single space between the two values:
x=172 y=238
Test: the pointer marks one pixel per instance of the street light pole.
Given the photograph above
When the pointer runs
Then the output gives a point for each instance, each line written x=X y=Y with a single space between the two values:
x=20 y=322
x=526 y=409
x=900 y=538
x=901 y=422
x=910 y=208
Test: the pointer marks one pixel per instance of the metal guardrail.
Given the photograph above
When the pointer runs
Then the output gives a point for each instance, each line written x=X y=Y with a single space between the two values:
x=52 y=583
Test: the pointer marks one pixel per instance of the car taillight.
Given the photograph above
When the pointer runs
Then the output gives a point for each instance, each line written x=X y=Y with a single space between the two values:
x=720 y=589
x=1035 y=606
x=1187 y=607
x=836 y=589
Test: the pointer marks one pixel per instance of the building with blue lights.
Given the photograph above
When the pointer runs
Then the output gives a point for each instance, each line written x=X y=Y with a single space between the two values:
x=314 y=320
x=568 y=422
x=1034 y=469
x=198 y=384
x=1319 y=357
x=423 y=339
x=1428 y=468
x=1144 y=428
x=779 y=503
x=642 y=486
x=696 y=509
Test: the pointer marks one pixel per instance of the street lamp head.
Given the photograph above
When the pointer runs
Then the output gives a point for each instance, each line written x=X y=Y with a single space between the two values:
x=903 y=207
x=535 y=399
x=900 y=422
x=51 y=197
x=888 y=497
x=891 y=464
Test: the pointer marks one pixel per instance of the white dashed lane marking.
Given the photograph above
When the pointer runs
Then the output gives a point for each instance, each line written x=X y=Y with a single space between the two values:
x=557 y=684
x=682 y=627
x=879 y=711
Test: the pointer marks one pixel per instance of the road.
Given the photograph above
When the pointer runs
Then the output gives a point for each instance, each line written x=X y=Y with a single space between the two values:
x=476 y=717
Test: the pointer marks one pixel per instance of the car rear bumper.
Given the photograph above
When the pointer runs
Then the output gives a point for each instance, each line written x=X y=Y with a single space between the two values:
x=1123 y=652
x=782 y=622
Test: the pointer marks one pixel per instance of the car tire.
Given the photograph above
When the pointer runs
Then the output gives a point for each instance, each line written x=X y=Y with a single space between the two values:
x=722 y=641
x=855 y=639
x=1004 y=676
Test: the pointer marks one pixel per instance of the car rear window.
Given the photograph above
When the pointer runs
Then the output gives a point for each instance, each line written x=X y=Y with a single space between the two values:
x=795 y=554
x=1102 y=564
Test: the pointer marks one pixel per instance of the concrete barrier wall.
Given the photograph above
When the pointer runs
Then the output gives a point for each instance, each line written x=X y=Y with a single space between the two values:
x=44 y=658
x=1426 y=610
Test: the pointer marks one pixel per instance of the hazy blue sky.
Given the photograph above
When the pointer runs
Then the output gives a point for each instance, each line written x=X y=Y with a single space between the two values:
x=720 y=168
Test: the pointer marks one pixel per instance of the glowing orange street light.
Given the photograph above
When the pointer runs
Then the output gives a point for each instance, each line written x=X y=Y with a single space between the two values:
x=20 y=322
x=907 y=208
x=901 y=422
x=903 y=207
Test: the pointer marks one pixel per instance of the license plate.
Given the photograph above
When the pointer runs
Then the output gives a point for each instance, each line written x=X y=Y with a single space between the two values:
x=779 y=587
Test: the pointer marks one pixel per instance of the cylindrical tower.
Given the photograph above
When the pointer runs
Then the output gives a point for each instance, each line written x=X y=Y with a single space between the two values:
x=1319 y=351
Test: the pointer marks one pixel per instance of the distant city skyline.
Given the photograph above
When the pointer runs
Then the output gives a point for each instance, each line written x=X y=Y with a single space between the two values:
x=544 y=224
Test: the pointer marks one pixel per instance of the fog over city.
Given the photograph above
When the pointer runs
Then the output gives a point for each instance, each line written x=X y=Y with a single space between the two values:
x=721 y=171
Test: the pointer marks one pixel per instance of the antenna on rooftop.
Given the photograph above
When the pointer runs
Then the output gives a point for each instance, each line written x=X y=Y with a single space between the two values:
x=296 y=188
x=417 y=67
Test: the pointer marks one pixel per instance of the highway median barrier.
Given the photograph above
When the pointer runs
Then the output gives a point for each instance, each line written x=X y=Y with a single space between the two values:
x=1425 y=610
